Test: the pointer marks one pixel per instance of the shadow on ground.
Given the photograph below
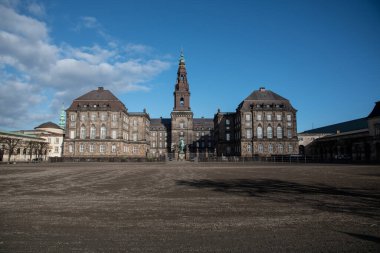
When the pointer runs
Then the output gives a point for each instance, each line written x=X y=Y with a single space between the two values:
x=361 y=202
x=370 y=238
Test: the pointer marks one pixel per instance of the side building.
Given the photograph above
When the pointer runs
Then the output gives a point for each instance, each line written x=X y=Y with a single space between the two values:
x=98 y=125
x=355 y=140
x=264 y=124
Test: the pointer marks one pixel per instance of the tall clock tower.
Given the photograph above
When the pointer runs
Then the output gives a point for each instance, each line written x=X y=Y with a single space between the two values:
x=181 y=116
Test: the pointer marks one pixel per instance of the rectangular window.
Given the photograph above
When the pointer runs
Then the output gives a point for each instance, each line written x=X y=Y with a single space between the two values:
x=134 y=136
x=228 y=136
x=153 y=144
x=258 y=116
x=56 y=140
x=160 y=144
x=248 y=117
x=125 y=148
x=93 y=117
x=83 y=117
x=92 y=148
x=160 y=134
x=49 y=140
x=81 y=148
x=197 y=134
x=288 y=117
x=72 y=134
x=71 y=149
x=113 y=148
x=72 y=117
x=269 y=117
x=102 y=148
x=289 y=133
x=249 y=133
x=114 y=134
x=135 y=149
x=103 y=116
x=209 y=144
x=227 y=121
x=202 y=134
x=290 y=148
x=56 y=149
x=249 y=148
x=114 y=117
x=278 y=117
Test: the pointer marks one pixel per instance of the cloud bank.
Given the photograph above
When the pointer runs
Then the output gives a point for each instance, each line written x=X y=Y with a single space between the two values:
x=36 y=73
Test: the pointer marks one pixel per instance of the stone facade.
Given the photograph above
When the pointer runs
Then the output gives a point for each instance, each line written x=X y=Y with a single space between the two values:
x=264 y=124
x=99 y=125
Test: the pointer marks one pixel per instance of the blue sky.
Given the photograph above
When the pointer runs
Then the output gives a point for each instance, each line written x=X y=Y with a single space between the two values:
x=324 y=56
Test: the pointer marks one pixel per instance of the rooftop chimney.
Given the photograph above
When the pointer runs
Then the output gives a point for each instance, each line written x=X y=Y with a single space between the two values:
x=262 y=89
x=100 y=88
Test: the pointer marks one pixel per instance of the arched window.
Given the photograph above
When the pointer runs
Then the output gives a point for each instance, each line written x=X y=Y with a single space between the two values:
x=83 y=132
x=279 y=132
x=181 y=102
x=103 y=132
x=259 y=132
x=269 y=132
x=92 y=132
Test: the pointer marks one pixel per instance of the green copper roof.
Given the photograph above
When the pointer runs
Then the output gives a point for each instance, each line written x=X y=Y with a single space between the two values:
x=182 y=57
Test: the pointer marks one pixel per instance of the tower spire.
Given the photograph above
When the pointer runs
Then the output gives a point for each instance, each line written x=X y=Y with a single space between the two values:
x=181 y=57
x=181 y=91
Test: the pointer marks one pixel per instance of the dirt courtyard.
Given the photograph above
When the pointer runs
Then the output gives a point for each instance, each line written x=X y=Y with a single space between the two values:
x=189 y=207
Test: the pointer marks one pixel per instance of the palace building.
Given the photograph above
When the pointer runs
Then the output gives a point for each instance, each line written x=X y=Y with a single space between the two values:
x=264 y=124
x=99 y=125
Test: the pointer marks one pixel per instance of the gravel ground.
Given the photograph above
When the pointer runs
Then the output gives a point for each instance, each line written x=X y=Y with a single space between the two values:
x=187 y=207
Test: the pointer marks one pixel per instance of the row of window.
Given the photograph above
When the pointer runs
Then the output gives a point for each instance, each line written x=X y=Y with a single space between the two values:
x=268 y=117
x=260 y=135
x=159 y=134
x=270 y=149
x=103 y=133
x=56 y=140
x=103 y=117
x=269 y=133
x=160 y=145
x=102 y=148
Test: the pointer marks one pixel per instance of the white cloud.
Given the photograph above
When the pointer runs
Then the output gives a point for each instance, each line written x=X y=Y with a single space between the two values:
x=65 y=71
x=36 y=9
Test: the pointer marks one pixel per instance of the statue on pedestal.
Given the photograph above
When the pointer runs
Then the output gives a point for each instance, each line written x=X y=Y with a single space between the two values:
x=181 y=147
